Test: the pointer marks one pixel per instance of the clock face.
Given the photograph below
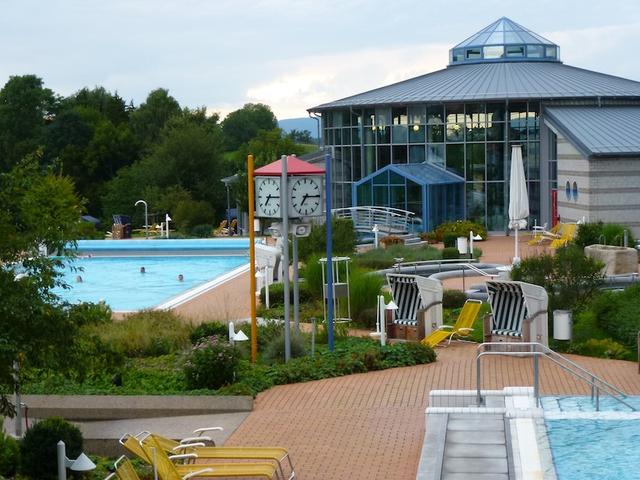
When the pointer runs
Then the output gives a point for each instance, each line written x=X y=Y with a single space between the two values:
x=268 y=197
x=306 y=196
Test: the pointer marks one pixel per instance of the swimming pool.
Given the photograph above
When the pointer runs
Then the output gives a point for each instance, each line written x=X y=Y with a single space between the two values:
x=118 y=281
x=593 y=445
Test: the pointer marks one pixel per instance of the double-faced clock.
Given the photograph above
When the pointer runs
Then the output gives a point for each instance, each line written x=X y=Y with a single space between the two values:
x=305 y=196
x=268 y=198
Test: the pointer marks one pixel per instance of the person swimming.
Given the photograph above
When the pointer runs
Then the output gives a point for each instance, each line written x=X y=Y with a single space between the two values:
x=78 y=279
x=143 y=270
x=180 y=277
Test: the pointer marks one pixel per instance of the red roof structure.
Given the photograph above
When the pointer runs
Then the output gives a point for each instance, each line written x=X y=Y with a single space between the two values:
x=295 y=166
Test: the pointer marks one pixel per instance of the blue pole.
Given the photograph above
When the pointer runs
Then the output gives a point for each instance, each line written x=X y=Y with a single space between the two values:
x=327 y=185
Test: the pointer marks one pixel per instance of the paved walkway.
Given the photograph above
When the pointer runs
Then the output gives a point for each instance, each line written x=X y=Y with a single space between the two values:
x=371 y=426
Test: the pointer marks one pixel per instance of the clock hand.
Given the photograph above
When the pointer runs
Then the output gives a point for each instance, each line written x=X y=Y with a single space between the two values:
x=304 y=198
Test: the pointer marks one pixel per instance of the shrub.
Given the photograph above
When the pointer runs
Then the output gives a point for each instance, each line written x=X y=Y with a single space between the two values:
x=211 y=364
x=380 y=258
x=364 y=289
x=428 y=237
x=449 y=240
x=453 y=298
x=618 y=313
x=460 y=228
x=312 y=274
x=450 y=253
x=570 y=278
x=89 y=313
x=9 y=454
x=599 y=232
x=343 y=239
x=87 y=231
x=276 y=294
x=189 y=213
x=204 y=230
x=267 y=331
x=603 y=348
x=274 y=351
x=391 y=240
x=209 y=329
x=146 y=333
x=39 y=447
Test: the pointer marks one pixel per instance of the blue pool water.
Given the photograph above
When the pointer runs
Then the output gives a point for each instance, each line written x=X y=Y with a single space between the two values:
x=118 y=281
x=606 y=446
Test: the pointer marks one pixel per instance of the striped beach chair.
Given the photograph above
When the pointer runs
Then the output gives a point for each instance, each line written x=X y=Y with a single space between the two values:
x=518 y=313
x=414 y=294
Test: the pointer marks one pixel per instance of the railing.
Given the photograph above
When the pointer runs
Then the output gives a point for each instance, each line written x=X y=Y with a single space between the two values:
x=388 y=220
x=424 y=263
x=537 y=350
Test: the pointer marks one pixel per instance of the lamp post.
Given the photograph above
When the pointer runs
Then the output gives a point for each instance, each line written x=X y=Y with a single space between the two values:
x=227 y=184
x=391 y=306
x=146 y=217
x=80 y=464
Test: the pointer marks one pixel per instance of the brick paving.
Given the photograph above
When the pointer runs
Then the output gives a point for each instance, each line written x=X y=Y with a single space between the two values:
x=371 y=426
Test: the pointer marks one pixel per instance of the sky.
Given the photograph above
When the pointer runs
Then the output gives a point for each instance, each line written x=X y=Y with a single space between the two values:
x=291 y=55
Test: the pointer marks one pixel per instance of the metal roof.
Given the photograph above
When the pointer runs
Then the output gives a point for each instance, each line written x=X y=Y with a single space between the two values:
x=504 y=31
x=599 y=131
x=421 y=173
x=495 y=81
x=295 y=166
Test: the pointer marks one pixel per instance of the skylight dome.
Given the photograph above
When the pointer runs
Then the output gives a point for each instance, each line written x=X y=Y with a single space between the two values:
x=504 y=41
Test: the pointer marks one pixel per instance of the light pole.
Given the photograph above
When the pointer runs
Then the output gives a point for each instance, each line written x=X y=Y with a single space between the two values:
x=146 y=217
x=227 y=183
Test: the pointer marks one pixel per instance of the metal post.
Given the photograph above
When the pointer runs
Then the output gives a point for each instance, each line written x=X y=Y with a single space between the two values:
x=479 y=399
x=313 y=336
x=626 y=238
x=266 y=285
x=296 y=288
x=327 y=182
x=284 y=197
x=536 y=381
x=229 y=210
x=146 y=217
x=252 y=261
x=62 y=460
x=16 y=382
x=597 y=399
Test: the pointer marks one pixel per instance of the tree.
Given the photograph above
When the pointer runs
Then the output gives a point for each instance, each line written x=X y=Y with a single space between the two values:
x=38 y=208
x=150 y=118
x=242 y=125
x=301 y=136
x=111 y=105
x=25 y=106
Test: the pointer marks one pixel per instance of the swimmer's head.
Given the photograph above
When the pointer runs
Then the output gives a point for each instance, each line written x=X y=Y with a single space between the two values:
x=143 y=270
x=180 y=277
x=78 y=279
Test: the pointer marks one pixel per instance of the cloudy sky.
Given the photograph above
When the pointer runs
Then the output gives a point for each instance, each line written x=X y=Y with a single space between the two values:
x=291 y=55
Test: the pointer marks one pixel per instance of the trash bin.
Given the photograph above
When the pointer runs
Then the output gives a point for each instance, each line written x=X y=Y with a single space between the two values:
x=562 y=324
x=463 y=245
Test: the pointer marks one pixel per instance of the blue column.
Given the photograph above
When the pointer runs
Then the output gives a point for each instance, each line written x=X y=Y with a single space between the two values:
x=327 y=185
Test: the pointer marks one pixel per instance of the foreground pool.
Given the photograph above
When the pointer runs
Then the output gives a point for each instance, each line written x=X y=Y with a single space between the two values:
x=118 y=281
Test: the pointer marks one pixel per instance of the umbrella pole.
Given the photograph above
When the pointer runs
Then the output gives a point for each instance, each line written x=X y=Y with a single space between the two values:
x=516 y=259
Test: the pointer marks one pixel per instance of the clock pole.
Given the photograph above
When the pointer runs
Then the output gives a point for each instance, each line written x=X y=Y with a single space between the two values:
x=284 y=209
x=327 y=182
x=252 y=262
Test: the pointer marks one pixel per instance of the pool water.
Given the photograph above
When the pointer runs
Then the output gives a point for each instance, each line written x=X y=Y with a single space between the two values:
x=118 y=281
x=606 y=446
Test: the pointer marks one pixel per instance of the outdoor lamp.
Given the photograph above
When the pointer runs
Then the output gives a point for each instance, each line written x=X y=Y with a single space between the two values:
x=80 y=464
x=240 y=337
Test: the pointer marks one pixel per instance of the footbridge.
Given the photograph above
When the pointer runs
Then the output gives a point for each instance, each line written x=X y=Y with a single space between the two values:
x=390 y=221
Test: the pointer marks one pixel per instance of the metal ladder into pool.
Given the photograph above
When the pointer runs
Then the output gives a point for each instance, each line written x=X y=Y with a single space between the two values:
x=537 y=351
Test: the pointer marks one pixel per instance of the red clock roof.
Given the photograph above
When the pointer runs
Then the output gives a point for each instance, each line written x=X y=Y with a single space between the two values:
x=295 y=166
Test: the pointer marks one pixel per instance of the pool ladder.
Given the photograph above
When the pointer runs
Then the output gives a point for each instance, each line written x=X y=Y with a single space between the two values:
x=537 y=351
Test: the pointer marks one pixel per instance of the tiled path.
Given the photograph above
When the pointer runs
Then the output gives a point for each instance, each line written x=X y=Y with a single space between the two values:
x=371 y=426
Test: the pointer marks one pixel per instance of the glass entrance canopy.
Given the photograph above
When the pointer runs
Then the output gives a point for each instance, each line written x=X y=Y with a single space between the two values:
x=432 y=193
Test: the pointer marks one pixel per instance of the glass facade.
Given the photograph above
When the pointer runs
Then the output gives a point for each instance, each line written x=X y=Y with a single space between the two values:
x=472 y=140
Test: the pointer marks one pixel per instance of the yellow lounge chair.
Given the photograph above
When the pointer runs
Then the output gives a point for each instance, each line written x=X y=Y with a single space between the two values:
x=568 y=233
x=462 y=327
x=124 y=470
x=151 y=451
x=542 y=236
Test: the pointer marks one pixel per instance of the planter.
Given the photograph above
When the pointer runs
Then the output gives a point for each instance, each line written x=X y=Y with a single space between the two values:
x=617 y=260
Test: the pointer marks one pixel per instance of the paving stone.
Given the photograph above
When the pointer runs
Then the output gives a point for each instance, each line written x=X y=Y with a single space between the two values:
x=471 y=450
x=476 y=465
x=476 y=437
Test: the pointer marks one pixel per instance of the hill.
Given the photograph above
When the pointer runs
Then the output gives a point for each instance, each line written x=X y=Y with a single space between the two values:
x=303 y=123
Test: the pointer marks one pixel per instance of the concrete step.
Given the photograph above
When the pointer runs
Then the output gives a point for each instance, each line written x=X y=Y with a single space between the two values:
x=475 y=450
x=485 y=438
x=475 y=465
x=475 y=476
x=480 y=425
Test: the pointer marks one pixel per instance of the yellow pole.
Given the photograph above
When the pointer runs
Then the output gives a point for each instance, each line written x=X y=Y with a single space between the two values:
x=252 y=263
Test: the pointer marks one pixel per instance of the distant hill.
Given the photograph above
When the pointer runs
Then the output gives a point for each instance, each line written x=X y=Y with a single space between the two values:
x=303 y=123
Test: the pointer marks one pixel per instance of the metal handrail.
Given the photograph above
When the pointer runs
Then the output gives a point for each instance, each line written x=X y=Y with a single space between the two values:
x=538 y=350
x=479 y=271
x=421 y=263
x=391 y=219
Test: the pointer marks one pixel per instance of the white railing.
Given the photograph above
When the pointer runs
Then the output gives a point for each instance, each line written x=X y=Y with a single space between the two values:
x=388 y=220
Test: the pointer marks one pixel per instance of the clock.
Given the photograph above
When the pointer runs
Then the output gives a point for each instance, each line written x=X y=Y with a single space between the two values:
x=305 y=196
x=268 y=197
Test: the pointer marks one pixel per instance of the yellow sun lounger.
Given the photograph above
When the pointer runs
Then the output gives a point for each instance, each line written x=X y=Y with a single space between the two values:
x=146 y=447
x=462 y=327
x=124 y=470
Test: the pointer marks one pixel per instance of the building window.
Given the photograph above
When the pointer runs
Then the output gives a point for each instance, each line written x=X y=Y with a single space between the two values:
x=494 y=51
x=575 y=192
x=567 y=190
x=473 y=53
x=514 y=51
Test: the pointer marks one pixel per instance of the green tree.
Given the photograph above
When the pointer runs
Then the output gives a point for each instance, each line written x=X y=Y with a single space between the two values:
x=38 y=208
x=25 y=107
x=148 y=120
x=110 y=105
x=242 y=125
x=301 y=136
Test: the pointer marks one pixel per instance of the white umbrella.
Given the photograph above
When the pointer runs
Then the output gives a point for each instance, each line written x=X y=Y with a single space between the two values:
x=518 y=196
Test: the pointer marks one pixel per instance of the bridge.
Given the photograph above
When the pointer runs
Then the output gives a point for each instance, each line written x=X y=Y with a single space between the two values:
x=390 y=221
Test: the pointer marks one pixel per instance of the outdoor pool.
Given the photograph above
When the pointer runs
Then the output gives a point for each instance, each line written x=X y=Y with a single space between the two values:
x=110 y=270
x=593 y=445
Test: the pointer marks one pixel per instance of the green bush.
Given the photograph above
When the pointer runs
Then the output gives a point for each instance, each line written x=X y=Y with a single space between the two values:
x=312 y=274
x=391 y=240
x=602 y=348
x=343 y=239
x=570 y=278
x=608 y=233
x=204 y=230
x=449 y=240
x=453 y=298
x=276 y=294
x=146 y=333
x=274 y=350
x=364 y=289
x=428 y=237
x=189 y=213
x=87 y=313
x=460 y=228
x=9 y=454
x=450 y=253
x=39 y=447
x=87 y=231
x=380 y=258
x=209 y=329
x=618 y=313
x=211 y=364
x=267 y=331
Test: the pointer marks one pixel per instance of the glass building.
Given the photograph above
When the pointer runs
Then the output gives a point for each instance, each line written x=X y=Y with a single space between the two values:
x=464 y=119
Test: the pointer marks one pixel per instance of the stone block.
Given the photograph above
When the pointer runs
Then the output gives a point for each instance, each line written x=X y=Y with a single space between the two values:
x=617 y=260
